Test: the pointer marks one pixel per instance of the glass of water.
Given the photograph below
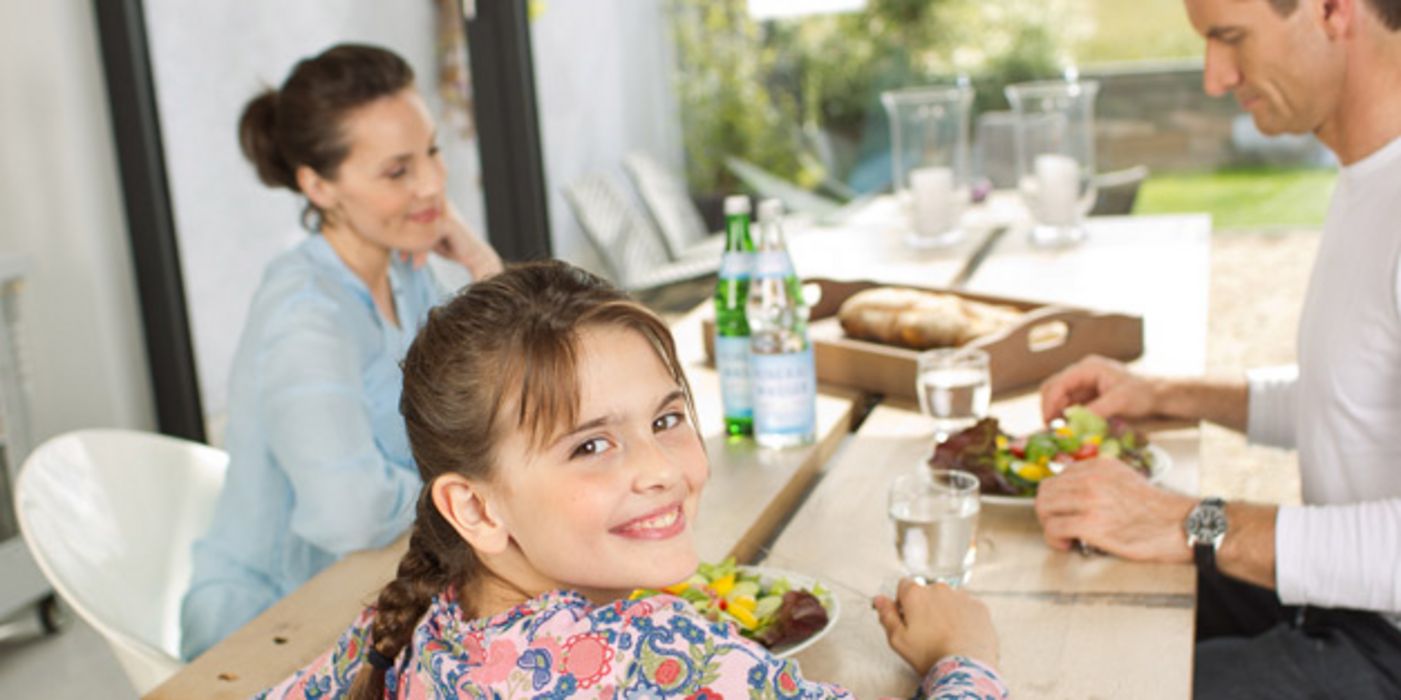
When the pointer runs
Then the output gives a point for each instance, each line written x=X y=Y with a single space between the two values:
x=935 y=512
x=954 y=388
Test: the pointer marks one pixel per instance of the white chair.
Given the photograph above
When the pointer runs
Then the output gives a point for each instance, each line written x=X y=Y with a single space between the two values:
x=680 y=224
x=109 y=516
x=626 y=239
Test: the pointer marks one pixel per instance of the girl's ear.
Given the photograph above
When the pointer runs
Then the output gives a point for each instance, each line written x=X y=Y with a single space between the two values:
x=465 y=505
x=321 y=192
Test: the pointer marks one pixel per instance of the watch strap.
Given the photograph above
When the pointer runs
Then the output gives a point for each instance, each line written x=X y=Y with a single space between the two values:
x=1205 y=556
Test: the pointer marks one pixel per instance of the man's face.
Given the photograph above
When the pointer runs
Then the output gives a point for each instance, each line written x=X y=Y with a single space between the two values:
x=1285 y=70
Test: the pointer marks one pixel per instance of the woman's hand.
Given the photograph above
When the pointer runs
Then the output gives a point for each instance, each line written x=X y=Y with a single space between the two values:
x=461 y=245
x=927 y=623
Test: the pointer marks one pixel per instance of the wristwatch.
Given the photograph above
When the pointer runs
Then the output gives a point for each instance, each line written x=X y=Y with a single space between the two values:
x=1206 y=527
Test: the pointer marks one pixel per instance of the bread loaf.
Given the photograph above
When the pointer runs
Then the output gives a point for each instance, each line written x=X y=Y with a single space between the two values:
x=920 y=320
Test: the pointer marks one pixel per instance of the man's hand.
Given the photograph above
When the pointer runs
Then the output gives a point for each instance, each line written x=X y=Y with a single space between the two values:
x=1103 y=386
x=1108 y=505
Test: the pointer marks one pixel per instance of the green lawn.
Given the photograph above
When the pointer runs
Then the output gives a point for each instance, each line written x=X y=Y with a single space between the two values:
x=1135 y=31
x=1243 y=198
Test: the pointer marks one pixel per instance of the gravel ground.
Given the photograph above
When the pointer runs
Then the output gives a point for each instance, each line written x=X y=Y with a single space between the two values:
x=1257 y=286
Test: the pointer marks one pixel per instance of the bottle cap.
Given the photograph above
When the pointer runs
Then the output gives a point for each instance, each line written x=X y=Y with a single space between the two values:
x=736 y=204
x=770 y=210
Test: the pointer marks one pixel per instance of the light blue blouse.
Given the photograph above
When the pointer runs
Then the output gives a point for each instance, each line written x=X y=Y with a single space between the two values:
x=319 y=458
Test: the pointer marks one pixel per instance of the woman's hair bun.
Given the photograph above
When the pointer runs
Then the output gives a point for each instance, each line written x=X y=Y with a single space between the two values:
x=257 y=135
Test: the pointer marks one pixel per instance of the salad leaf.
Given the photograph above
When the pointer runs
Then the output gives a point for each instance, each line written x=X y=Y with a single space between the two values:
x=1041 y=446
x=799 y=616
x=1084 y=423
x=974 y=450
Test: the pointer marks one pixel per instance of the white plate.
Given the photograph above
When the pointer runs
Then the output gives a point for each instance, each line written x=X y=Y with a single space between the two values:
x=1162 y=464
x=828 y=599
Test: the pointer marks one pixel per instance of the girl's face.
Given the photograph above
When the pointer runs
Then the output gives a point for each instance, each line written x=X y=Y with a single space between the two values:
x=607 y=505
x=389 y=189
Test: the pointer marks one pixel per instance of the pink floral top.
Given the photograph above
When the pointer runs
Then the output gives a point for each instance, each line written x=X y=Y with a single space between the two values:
x=559 y=645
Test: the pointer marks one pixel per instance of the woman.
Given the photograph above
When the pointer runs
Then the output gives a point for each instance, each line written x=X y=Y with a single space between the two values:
x=319 y=462
x=555 y=433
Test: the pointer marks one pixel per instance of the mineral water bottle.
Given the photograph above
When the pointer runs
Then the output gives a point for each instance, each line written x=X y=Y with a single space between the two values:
x=731 y=326
x=780 y=356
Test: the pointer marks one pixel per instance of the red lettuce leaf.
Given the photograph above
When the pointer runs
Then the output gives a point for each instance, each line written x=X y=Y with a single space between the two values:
x=800 y=616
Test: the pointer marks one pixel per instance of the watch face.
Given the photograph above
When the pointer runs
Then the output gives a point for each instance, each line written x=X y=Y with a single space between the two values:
x=1207 y=523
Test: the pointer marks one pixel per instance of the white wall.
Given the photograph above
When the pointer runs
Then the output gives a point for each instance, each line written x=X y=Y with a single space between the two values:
x=209 y=59
x=603 y=72
x=60 y=205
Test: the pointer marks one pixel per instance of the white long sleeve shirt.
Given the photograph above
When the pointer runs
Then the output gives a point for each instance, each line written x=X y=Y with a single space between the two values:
x=1341 y=406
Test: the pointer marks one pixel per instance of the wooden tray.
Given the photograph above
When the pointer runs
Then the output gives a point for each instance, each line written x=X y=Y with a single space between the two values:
x=1046 y=340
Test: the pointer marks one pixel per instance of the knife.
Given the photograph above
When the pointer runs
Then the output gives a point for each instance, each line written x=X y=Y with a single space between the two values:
x=976 y=259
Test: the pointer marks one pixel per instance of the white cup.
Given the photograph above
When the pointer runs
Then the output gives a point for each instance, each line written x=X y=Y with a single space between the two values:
x=1057 y=189
x=934 y=206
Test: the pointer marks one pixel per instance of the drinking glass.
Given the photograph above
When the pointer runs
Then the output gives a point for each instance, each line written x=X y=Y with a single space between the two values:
x=935 y=512
x=955 y=388
x=1055 y=140
x=929 y=159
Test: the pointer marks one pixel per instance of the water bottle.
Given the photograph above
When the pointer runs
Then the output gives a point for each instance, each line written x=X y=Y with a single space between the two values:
x=731 y=326
x=780 y=355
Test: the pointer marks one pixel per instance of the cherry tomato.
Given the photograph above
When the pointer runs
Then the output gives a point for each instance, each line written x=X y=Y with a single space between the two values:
x=1086 y=451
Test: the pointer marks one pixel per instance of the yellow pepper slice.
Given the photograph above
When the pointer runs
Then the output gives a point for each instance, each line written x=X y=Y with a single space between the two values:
x=744 y=615
x=723 y=585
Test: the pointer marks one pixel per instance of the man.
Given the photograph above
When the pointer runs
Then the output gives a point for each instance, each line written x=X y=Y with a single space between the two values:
x=1332 y=67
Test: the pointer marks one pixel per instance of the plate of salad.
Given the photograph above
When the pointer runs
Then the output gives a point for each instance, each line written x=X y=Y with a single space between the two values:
x=784 y=611
x=1011 y=468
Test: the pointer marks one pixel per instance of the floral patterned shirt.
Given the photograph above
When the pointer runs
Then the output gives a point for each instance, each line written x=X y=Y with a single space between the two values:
x=559 y=645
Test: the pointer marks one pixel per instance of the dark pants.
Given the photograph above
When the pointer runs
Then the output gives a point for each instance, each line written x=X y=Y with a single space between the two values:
x=1250 y=646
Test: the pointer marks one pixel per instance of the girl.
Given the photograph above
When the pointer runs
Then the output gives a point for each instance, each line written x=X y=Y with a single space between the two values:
x=319 y=461
x=554 y=430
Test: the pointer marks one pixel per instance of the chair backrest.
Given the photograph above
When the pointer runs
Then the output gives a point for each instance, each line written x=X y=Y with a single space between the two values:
x=1118 y=190
x=665 y=195
x=110 y=516
x=623 y=237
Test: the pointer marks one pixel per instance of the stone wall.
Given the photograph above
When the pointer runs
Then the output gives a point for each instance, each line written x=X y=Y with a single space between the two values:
x=1158 y=115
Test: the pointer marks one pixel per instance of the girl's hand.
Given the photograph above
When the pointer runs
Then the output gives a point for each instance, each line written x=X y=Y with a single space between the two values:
x=927 y=623
x=460 y=245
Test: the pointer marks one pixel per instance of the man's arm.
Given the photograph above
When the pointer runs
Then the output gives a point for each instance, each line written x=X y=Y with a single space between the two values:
x=1109 y=389
x=1248 y=552
x=1108 y=505
x=1223 y=402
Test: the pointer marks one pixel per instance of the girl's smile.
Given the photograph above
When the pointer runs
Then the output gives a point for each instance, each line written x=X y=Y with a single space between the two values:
x=661 y=524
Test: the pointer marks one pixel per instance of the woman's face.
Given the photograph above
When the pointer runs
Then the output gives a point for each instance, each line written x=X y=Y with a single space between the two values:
x=389 y=189
x=607 y=505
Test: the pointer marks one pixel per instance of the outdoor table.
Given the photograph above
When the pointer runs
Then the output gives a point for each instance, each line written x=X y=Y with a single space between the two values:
x=1059 y=615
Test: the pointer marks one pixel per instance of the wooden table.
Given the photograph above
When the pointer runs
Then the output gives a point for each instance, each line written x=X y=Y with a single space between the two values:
x=750 y=493
x=1070 y=626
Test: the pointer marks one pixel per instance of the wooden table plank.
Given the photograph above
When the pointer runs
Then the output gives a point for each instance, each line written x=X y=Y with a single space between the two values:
x=1115 y=628
x=751 y=492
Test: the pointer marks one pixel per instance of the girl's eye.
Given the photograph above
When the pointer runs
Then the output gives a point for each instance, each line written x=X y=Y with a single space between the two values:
x=396 y=173
x=591 y=447
x=667 y=422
